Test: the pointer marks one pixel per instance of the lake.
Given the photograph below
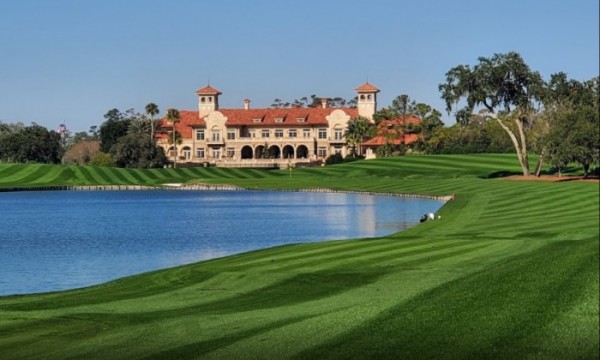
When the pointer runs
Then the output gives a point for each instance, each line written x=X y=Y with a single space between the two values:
x=60 y=240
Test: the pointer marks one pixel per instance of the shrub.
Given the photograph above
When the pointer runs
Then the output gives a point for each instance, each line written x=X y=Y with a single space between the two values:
x=102 y=159
x=334 y=159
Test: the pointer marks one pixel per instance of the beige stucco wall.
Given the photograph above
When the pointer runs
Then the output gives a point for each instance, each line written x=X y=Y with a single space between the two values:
x=217 y=122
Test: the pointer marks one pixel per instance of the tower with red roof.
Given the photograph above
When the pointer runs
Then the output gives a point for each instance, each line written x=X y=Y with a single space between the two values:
x=367 y=100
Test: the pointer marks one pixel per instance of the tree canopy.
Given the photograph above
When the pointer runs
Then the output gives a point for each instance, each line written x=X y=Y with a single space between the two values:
x=502 y=83
x=34 y=143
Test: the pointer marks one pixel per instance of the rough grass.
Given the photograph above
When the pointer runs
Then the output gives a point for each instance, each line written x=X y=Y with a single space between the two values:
x=510 y=271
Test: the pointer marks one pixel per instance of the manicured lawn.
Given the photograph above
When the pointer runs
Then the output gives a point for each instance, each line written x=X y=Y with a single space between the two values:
x=510 y=271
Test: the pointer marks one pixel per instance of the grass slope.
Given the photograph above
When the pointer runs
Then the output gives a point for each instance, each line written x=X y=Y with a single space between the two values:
x=511 y=271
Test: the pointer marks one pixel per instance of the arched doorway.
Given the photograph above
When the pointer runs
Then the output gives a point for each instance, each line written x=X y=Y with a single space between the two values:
x=247 y=152
x=302 y=152
x=259 y=152
x=274 y=152
x=288 y=152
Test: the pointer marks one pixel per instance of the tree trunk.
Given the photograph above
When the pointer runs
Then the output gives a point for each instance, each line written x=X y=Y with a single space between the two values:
x=151 y=131
x=523 y=159
x=521 y=149
x=540 y=162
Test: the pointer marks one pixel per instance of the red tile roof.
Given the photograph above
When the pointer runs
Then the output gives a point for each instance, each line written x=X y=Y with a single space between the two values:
x=269 y=117
x=187 y=120
x=208 y=90
x=390 y=132
x=281 y=116
x=366 y=87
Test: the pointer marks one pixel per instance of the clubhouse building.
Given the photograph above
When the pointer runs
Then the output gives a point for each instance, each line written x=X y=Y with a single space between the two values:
x=265 y=137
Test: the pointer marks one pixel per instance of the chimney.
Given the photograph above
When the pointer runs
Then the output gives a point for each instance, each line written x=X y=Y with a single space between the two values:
x=324 y=102
x=246 y=104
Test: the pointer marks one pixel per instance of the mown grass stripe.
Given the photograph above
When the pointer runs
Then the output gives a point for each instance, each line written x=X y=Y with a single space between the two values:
x=374 y=258
x=484 y=282
x=91 y=177
x=505 y=300
x=104 y=174
x=32 y=174
x=8 y=170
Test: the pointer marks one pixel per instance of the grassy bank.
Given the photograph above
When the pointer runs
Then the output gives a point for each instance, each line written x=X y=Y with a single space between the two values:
x=510 y=271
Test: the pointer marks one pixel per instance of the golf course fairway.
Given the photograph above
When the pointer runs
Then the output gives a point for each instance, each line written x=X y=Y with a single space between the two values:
x=510 y=271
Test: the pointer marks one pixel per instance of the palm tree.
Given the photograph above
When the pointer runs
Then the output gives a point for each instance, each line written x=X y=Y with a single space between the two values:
x=358 y=130
x=173 y=117
x=138 y=127
x=152 y=111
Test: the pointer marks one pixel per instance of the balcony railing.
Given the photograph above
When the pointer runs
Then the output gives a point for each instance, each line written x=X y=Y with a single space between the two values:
x=215 y=142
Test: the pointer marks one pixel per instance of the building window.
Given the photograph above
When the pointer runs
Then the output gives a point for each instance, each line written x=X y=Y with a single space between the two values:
x=200 y=153
x=186 y=153
x=252 y=133
x=230 y=134
x=216 y=153
x=203 y=99
x=300 y=119
x=306 y=133
x=322 y=133
x=322 y=151
x=278 y=133
x=199 y=134
x=264 y=133
x=216 y=135
x=337 y=150
x=278 y=120
x=230 y=152
x=338 y=134
x=292 y=133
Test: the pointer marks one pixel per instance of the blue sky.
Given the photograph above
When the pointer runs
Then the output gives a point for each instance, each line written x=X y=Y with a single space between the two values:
x=70 y=61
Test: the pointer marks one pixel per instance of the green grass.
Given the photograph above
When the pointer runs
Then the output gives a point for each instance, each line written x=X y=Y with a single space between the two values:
x=510 y=271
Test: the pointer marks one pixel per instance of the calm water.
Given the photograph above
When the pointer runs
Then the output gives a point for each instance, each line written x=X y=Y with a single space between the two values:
x=62 y=239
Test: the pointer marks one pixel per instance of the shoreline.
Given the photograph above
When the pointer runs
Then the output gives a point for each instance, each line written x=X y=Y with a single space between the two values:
x=213 y=187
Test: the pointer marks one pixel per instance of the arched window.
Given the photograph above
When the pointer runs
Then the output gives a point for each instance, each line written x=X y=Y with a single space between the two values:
x=338 y=132
x=203 y=99
x=186 y=153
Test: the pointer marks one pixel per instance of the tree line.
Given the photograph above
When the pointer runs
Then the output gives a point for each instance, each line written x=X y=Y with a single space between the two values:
x=500 y=105
x=124 y=139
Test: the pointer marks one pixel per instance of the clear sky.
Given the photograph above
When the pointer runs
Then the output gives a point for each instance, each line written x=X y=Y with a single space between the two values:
x=70 y=61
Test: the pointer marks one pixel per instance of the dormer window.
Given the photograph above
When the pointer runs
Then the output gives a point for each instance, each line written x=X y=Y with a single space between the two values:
x=279 y=120
x=257 y=120
x=301 y=119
